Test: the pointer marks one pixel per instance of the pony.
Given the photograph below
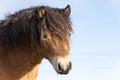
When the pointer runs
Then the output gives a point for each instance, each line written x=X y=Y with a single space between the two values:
x=30 y=35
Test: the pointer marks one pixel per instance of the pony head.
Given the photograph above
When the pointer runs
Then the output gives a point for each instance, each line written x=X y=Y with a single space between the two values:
x=55 y=29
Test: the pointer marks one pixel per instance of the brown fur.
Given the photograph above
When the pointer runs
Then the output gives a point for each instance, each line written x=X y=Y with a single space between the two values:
x=23 y=42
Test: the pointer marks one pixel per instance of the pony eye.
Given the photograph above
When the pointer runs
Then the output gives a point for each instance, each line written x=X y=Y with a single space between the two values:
x=45 y=36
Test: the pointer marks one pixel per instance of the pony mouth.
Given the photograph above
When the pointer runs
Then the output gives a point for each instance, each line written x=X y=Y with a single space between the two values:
x=62 y=72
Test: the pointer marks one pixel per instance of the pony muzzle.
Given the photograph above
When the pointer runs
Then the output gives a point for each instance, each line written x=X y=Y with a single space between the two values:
x=62 y=65
x=64 y=69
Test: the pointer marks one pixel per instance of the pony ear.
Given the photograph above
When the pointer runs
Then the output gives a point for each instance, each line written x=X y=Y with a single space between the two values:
x=41 y=12
x=67 y=10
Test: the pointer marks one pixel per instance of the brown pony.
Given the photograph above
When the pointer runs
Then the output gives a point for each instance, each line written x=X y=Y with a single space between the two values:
x=30 y=35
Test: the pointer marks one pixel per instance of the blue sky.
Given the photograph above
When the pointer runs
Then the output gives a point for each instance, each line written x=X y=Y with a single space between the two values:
x=95 y=43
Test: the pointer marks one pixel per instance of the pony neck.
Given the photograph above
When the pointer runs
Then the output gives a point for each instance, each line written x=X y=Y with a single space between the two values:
x=18 y=65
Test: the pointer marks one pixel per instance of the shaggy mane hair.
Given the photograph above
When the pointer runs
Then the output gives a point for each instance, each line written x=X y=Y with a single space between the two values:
x=24 y=28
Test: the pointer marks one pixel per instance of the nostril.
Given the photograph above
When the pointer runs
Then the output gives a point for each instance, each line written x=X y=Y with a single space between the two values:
x=59 y=67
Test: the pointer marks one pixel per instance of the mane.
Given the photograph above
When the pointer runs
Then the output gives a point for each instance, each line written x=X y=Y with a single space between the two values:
x=23 y=29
